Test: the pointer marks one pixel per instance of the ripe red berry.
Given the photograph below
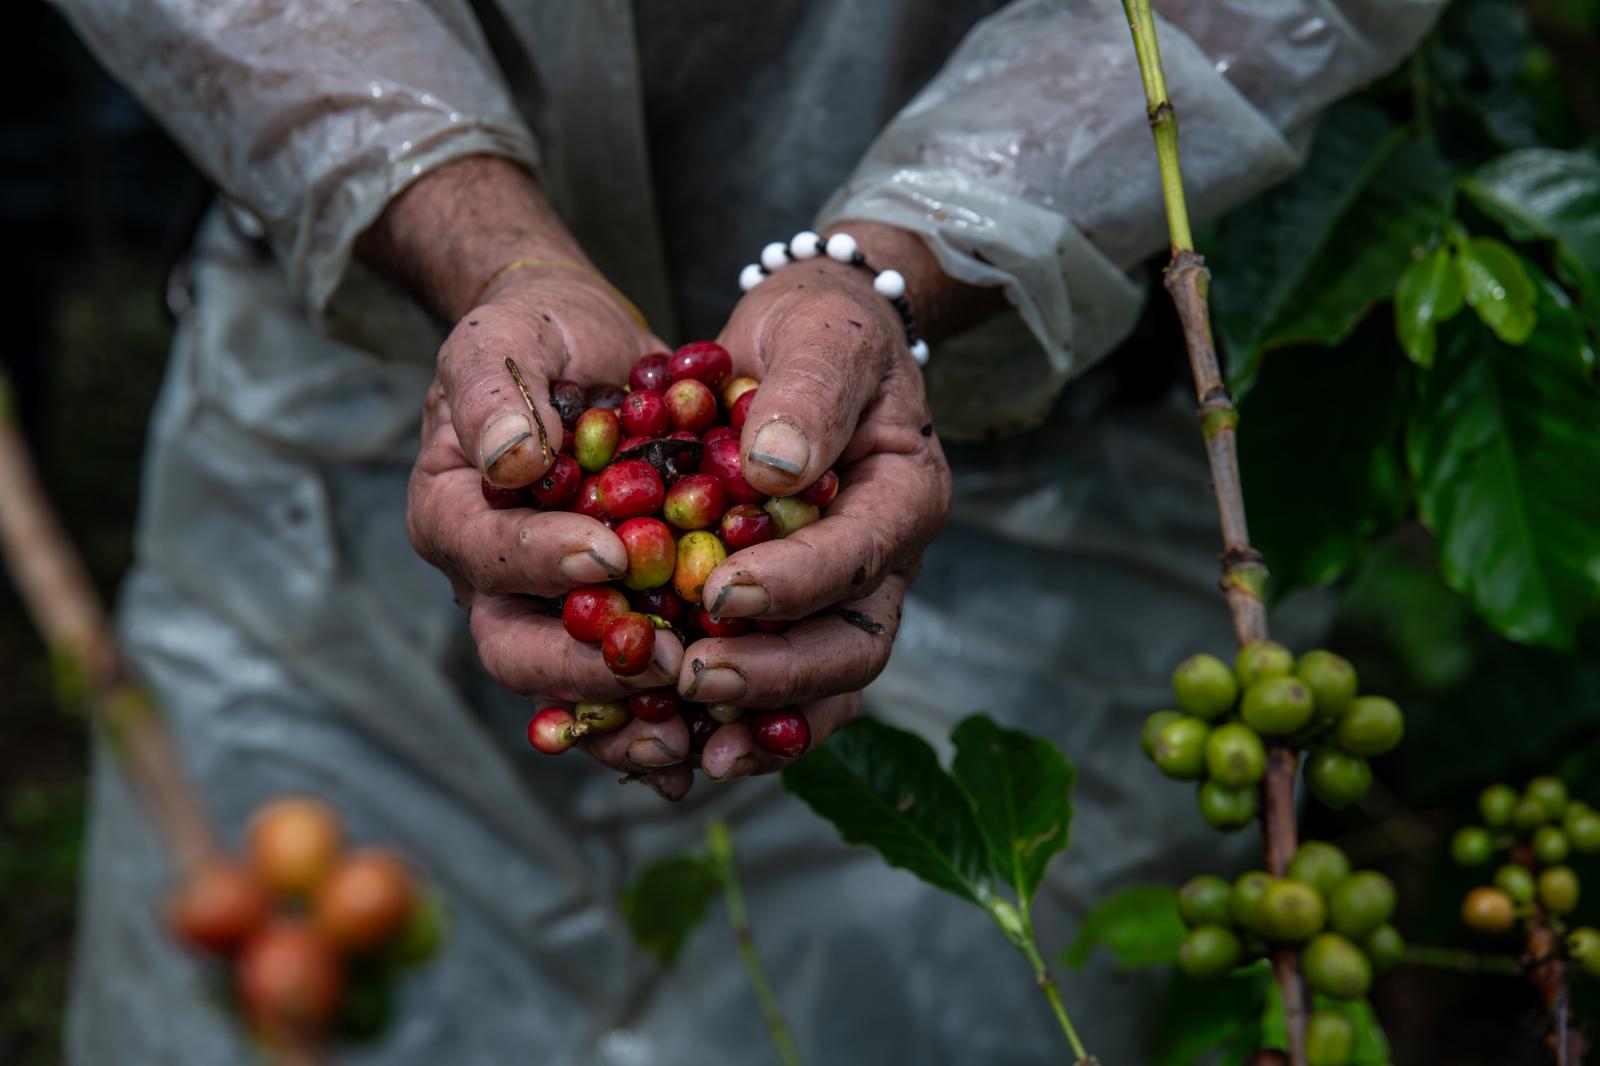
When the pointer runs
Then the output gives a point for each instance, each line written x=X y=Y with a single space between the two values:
x=567 y=398
x=695 y=502
x=783 y=732
x=712 y=626
x=651 y=373
x=741 y=409
x=746 y=524
x=822 y=491
x=705 y=361
x=607 y=396
x=504 y=499
x=663 y=603
x=701 y=726
x=629 y=642
x=652 y=553
x=219 y=907
x=550 y=731
x=644 y=414
x=587 y=500
x=716 y=433
x=654 y=705
x=631 y=488
x=289 y=979
x=685 y=435
x=588 y=610
x=722 y=459
x=691 y=404
x=559 y=484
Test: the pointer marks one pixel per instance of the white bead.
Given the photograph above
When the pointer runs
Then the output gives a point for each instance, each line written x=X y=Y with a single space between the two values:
x=750 y=277
x=890 y=283
x=805 y=245
x=775 y=256
x=841 y=246
x=919 y=352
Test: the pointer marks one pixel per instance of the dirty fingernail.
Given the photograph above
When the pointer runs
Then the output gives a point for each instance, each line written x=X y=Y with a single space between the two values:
x=743 y=766
x=781 y=446
x=588 y=567
x=718 y=684
x=500 y=436
x=741 y=601
x=651 y=751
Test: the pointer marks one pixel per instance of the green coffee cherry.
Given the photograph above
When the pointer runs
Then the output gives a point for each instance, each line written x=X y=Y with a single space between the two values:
x=1209 y=951
x=1261 y=660
x=1471 y=846
x=1336 y=968
x=1330 y=1039
x=1248 y=892
x=423 y=933
x=1205 y=900
x=1153 y=725
x=1180 y=749
x=1371 y=726
x=1277 y=706
x=1235 y=756
x=1488 y=910
x=1291 y=912
x=1584 y=946
x=1320 y=865
x=1204 y=686
x=1528 y=814
x=1558 y=890
x=1227 y=809
x=1496 y=803
x=1516 y=882
x=1551 y=792
x=1337 y=778
x=1331 y=679
x=1584 y=832
x=1550 y=846
x=1576 y=809
x=1362 y=902
x=1385 y=947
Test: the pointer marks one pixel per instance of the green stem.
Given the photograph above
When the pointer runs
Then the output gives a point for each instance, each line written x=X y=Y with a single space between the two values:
x=1163 y=121
x=1462 y=961
x=721 y=844
x=1018 y=928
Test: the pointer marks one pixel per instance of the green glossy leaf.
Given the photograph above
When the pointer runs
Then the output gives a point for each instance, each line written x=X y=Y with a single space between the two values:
x=1304 y=263
x=1504 y=450
x=1140 y=926
x=1319 y=452
x=1200 y=1017
x=1498 y=287
x=884 y=787
x=1545 y=193
x=1429 y=293
x=1020 y=786
x=666 y=901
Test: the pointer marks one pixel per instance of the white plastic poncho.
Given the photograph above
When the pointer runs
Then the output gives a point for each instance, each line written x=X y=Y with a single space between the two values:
x=278 y=611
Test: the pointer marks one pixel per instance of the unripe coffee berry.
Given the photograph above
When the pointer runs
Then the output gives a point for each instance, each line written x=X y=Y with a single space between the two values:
x=1515 y=881
x=1584 y=946
x=1488 y=910
x=1471 y=846
x=1227 y=809
x=550 y=731
x=596 y=439
x=699 y=553
x=735 y=388
x=1584 y=830
x=1204 y=686
x=598 y=718
x=1248 y=892
x=695 y=502
x=1320 y=865
x=1337 y=778
x=1371 y=725
x=1330 y=1039
x=1262 y=660
x=628 y=644
x=1528 y=814
x=1336 y=967
x=1551 y=792
x=791 y=514
x=725 y=712
x=1208 y=952
x=1495 y=804
x=1385 y=947
x=1154 y=724
x=500 y=499
x=1362 y=902
x=1550 y=845
x=1331 y=679
x=1235 y=756
x=745 y=524
x=652 y=553
x=1277 y=706
x=1180 y=749
x=1558 y=890
x=1291 y=912
x=1205 y=900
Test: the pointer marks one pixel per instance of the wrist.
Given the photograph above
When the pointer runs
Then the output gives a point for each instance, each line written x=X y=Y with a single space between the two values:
x=942 y=305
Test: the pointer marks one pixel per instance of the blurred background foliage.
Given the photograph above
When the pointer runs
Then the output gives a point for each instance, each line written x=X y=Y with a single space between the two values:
x=1466 y=589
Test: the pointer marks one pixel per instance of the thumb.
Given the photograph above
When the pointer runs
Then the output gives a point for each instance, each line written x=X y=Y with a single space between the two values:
x=495 y=370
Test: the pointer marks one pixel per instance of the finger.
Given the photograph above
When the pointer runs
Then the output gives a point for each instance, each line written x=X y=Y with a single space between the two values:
x=672 y=783
x=839 y=650
x=641 y=746
x=510 y=444
x=535 y=553
x=528 y=652
x=824 y=361
x=891 y=506
x=731 y=752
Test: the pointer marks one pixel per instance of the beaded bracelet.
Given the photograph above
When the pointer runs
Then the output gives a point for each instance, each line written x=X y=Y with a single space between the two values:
x=841 y=248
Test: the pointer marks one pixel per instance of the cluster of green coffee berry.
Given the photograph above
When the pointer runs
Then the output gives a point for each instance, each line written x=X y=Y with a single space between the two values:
x=1336 y=916
x=1537 y=831
x=1216 y=736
